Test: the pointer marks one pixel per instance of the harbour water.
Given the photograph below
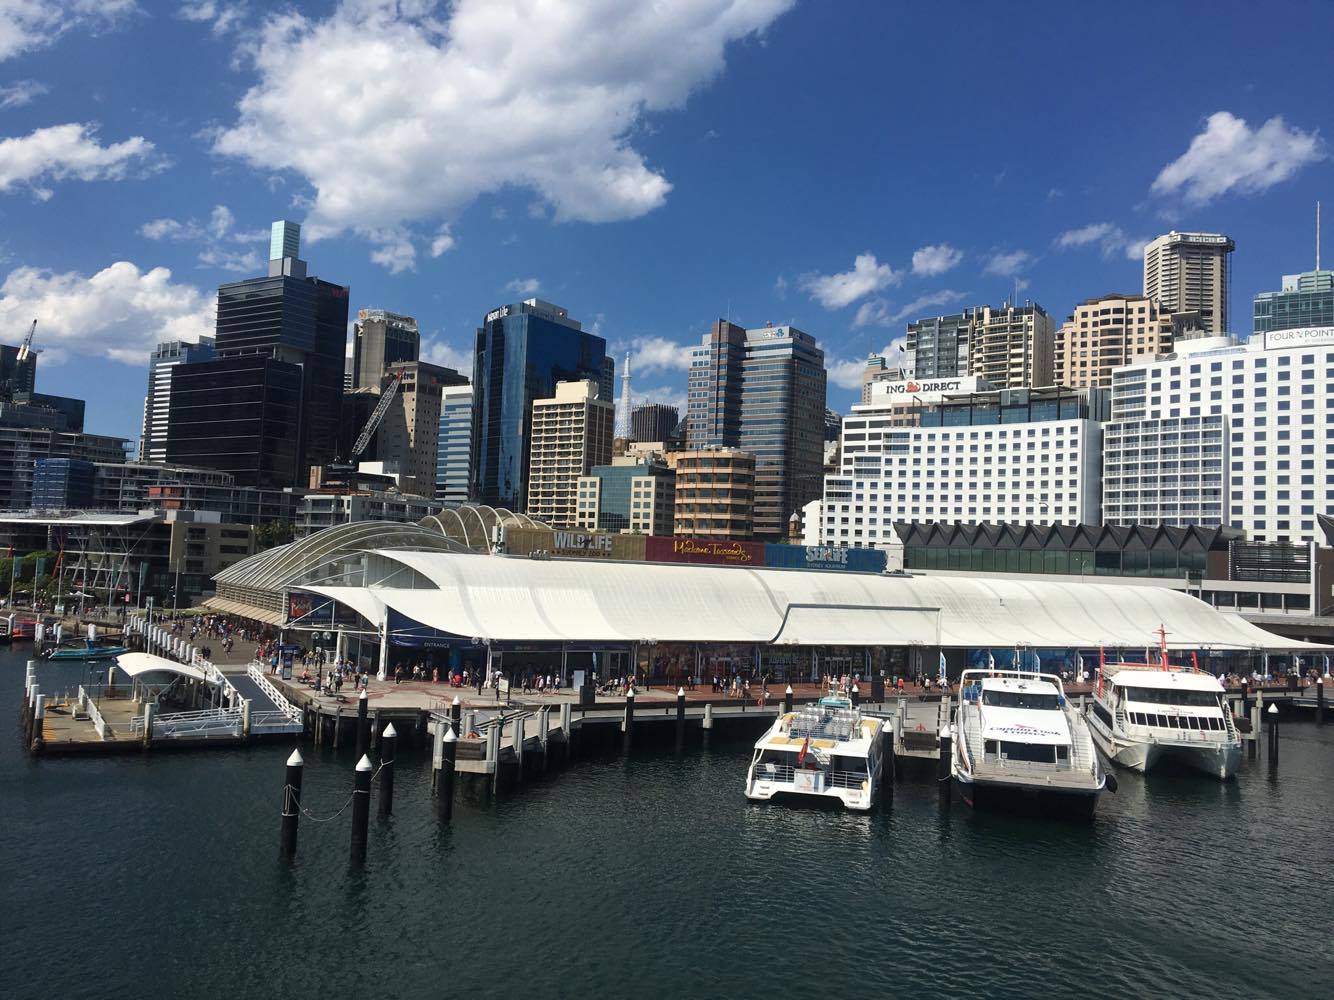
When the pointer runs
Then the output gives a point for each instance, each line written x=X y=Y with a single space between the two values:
x=650 y=875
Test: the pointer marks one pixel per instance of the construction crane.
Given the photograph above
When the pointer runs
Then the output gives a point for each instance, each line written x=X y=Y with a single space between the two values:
x=381 y=408
x=25 y=351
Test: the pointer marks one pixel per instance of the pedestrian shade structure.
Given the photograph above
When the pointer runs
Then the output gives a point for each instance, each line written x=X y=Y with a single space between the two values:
x=510 y=599
x=137 y=664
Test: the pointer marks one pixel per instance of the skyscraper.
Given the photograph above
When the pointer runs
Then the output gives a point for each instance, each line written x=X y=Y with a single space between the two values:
x=381 y=339
x=1307 y=299
x=762 y=391
x=522 y=351
x=1107 y=333
x=272 y=332
x=157 y=402
x=653 y=421
x=1011 y=347
x=937 y=346
x=408 y=438
x=453 y=465
x=16 y=375
x=571 y=433
x=1189 y=272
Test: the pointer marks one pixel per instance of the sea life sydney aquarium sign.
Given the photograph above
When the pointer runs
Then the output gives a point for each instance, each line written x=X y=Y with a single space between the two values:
x=1301 y=336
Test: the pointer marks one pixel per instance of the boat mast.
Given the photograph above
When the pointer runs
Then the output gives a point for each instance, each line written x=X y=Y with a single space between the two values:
x=1162 y=647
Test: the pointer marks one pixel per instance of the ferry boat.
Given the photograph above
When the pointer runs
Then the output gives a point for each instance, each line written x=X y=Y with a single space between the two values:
x=1143 y=714
x=827 y=751
x=1018 y=741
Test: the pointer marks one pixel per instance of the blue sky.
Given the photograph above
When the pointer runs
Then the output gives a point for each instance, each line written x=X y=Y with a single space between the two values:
x=839 y=165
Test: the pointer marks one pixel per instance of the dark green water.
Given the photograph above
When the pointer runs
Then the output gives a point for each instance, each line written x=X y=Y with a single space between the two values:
x=650 y=875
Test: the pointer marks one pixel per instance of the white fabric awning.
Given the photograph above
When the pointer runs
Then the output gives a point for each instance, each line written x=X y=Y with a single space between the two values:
x=135 y=664
x=361 y=600
x=529 y=600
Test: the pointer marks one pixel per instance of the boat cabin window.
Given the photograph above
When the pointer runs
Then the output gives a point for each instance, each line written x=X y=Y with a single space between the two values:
x=991 y=746
x=1173 y=696
x=1020 y=699
x=1041 y=753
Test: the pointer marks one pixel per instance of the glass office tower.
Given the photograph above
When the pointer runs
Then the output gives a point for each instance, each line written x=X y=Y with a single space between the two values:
x=453 y=465
x=1307 y=299
x=522 y=351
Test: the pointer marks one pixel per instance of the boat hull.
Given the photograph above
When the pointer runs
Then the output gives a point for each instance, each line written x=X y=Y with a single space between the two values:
x=994 y=796
x=78 y=654
x=1219 y=760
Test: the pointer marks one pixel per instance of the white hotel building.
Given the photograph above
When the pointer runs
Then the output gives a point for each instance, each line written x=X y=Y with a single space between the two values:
x=1225 y=432
x=954 y=450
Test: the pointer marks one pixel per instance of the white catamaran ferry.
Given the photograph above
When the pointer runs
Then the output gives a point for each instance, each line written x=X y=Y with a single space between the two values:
x=1142 y=714
x=1018 y=741
x=826 y=751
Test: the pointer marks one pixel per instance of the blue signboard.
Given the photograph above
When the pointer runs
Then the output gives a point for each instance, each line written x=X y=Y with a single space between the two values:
x=404 y=631
x=834 y=557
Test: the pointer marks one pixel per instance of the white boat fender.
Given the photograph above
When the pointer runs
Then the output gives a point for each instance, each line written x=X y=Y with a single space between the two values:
x=1111 y=781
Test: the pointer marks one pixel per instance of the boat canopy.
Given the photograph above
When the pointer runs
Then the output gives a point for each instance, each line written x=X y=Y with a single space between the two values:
x=136 y=664
x=1152 y=677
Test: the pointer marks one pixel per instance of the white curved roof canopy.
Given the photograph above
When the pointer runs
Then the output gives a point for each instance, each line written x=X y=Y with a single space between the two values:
x=513 y=599
x=135 y=664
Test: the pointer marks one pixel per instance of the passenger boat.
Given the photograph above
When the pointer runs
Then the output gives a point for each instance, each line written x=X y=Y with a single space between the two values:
x=1144 y=714
x=89 y=651
x=13 y=628
x=827 y=751
x=1018 y=741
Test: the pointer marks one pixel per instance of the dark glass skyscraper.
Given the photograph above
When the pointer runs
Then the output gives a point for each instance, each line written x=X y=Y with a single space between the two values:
x=294 y=321
x=522 y=351
x=653 y=421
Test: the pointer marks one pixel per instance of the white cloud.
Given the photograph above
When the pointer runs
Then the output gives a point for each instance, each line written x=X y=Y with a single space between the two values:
x=938 y=258
x=523 y=286
x=780 y=287
x=872 y=312
x=70 y=152
x=1110 y=239
x=1008 y=263
x=834 y=291
x=21 y=92
x=26 y=25
x=443 y=241
x=219 y=237
x=914 y=309
x=120 y=312
x=845 y=374
x=221 y=17
x=393 y=249
x=452 y=101
x=658 y=354
x=1228 y=155
x=437 y=352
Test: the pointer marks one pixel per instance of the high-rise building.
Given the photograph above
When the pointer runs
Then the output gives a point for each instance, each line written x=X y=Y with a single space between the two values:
x=408 y=437
x=571 y=433
x=1029 y=456
x=1306 y=300
x=715 y=493
x=1109 y=332
x=381 y=340
x=267 y=329
x=937 y=347
x=1226 y=433
x=654 y=422
x=453 y=464
x=1011 y=347
x=522 y=351
x=17 y=375
x=1189 y=272
x=157 y=402
x=878 y=369
x=65 y=483
x=633 y=493
x=762 y=391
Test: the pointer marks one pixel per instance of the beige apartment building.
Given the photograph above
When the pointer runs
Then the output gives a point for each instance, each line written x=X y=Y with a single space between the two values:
x=408 y=438
x=1108 y=332
x=572 y=432
x=1011 y=347
x=1189 y=272
x=715 y=493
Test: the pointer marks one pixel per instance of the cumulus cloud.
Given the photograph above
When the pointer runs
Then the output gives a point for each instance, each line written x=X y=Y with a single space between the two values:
x=21 y=92
x=1108 y=237
x=523 y=286
x=443 y=242
x=219 y=236
x=872 y=312
x=658 y=354
x=916 y=309
x=438 y=352
x=120 y=312
x=70 y=152
x=220 y=17
x=834 y=291
x=1007 y=263
x=844 y=374
x=452 y=101
x=936 y=259
x=26 y=25
x=1228 y=155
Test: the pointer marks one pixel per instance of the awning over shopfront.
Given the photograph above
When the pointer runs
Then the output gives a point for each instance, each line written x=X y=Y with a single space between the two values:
x=244 y=610
x=525 y=600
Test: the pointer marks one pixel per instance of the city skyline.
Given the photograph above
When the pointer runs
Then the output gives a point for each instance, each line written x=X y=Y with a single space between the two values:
x=156 y=180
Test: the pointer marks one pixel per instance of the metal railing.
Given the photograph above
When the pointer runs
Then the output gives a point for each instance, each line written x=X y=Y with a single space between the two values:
x=847 y=779
x=274 y=722
x=198 y=725
x=254 y=672
x=89 y=705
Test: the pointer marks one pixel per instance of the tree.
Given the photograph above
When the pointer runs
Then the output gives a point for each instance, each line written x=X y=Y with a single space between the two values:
x=271 y=534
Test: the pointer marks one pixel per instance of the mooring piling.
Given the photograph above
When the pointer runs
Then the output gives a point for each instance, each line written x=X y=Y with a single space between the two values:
x=292 y=802
x=388 y=744
x=361 y=807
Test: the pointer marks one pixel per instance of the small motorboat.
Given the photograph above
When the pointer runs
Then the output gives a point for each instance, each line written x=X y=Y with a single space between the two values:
x=90 y=650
